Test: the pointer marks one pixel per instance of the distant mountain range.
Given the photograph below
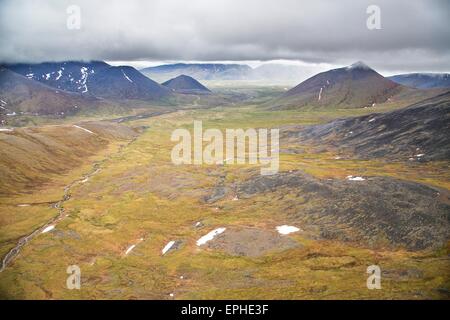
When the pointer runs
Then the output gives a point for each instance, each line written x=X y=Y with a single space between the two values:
x=423 y=80
x=199 y=71
x=186 y=84
x=203 y=71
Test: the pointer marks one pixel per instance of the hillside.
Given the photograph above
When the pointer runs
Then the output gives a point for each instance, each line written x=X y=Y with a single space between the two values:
x=186 y=84
x=125 y=82
x=30 y=157
x=20 y=94
x=415 y=133
x=355 y=86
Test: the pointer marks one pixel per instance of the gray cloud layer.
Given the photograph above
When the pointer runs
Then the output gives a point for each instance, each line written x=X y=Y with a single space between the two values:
x=414 y=36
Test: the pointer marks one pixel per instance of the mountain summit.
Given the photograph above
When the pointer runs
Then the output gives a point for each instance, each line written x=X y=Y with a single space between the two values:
x=359 y=65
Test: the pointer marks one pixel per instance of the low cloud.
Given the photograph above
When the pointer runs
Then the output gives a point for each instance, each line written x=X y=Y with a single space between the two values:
x=414 y=34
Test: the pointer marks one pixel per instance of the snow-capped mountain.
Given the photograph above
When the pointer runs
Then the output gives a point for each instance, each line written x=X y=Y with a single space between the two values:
x=69 y=75
x=20 y=95
x=94 y=78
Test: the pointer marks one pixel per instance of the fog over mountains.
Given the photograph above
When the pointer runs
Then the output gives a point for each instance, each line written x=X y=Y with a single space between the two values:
x=275 y=72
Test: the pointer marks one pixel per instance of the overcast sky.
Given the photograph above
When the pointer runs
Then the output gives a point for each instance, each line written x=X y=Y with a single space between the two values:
x=414 y=35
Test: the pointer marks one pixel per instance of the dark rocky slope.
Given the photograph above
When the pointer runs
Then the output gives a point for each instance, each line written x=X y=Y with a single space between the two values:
x=379 y=211
x=419 y=132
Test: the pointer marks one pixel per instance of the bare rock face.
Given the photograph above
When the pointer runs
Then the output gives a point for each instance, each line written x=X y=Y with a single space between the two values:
x=375 y=211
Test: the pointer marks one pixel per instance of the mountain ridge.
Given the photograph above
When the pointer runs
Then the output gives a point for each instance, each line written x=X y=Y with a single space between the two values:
x=96 y=78
x=423 y=80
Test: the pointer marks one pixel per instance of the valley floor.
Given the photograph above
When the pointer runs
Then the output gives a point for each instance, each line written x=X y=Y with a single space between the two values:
x=118 y=221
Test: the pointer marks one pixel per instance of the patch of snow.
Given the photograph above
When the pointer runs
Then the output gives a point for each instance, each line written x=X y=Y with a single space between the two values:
x=167 y=247
x=29 y=75
x=419 y=155
x=285 y=229
x=373 y=104
x=337 y=158
x=126 y=77
x=47 y=76
x=181 y=277
x=171 y=294
x=210 y=236
x=320 y=94
x=88 y=131
x=6 y=130
x=59 y=75
x=235 y=198
x=84 y=76
x=371 y=120
x=352 y=178
x=84 y=180
x=130 y=248
x=11 y=114
x=47 y=229
x=23 y=205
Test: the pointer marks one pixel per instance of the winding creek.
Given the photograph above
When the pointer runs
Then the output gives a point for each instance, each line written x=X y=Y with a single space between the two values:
x=58 y=205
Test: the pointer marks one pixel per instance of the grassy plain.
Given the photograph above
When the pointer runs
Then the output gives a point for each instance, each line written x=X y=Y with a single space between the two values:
x=139 y=194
